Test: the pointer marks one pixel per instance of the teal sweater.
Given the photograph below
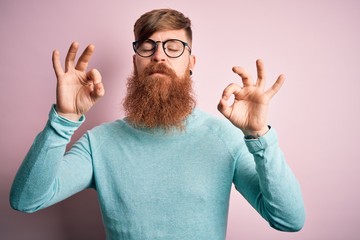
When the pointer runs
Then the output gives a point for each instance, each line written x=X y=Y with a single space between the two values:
x=153 y=184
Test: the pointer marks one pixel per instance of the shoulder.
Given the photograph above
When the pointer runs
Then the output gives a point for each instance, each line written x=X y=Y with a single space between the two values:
x=216 y=124
x=220 y=128
x=107 y=130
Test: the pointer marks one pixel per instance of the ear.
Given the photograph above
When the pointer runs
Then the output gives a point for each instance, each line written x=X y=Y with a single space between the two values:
x=134 y=63
x=192 y=62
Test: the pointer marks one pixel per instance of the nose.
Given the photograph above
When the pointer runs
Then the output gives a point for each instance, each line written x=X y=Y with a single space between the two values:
x=159 y=54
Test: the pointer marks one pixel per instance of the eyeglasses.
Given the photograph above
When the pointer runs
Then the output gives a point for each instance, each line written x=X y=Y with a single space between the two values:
x=173 y=48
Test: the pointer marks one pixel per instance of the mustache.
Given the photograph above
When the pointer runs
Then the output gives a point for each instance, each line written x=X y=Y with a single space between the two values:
x=158 y=68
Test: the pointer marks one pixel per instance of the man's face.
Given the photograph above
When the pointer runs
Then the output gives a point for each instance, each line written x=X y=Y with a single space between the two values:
x=178 y=65
x=159 y=93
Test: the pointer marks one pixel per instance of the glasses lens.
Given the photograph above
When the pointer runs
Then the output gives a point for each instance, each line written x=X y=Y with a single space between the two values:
x=145 y=48
x=174 y=48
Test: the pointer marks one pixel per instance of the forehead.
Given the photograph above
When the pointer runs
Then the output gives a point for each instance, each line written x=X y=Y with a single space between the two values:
x=169 y=34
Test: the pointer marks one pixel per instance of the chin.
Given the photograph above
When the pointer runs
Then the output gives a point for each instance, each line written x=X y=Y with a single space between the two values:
x=160 y=77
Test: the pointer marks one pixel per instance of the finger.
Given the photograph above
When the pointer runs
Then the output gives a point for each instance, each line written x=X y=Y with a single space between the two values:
x=95 y=77
x=229 y=90
x=260 y=73
x=56 y=63
x=224 y=108
x=276 y=86
x=245 y=77
x=99 y=91
x=70 y=56
x=85 y=58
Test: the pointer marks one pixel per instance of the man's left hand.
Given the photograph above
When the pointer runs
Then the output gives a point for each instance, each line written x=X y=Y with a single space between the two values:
x=249 y=109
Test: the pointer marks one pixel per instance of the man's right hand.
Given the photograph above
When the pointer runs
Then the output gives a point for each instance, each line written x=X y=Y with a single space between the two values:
x=77 y=90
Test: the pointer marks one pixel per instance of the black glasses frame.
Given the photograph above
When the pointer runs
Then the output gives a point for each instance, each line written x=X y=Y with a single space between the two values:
x=155 y=46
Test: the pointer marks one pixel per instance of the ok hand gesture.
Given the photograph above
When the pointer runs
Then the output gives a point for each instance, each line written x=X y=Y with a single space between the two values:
x=77 y=90
x=249 y=109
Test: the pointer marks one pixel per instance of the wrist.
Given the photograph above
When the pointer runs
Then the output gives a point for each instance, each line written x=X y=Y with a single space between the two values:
x=256 y=134
x=70 y=116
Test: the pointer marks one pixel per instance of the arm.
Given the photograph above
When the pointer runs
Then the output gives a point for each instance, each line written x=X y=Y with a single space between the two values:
x=262 y=176
x=47 y=175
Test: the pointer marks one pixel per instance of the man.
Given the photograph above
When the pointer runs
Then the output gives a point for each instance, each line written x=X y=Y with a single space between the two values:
x=166 y=170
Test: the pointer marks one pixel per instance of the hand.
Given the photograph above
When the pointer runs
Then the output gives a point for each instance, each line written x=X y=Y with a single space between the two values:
x=249 y=109
x=77 y=90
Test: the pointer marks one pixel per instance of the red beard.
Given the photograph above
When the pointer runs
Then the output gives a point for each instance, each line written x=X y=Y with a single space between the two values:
x=161 y=100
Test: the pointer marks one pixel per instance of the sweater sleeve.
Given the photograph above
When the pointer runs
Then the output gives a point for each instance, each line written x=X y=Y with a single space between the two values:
x=48 y=175
x=266 y=181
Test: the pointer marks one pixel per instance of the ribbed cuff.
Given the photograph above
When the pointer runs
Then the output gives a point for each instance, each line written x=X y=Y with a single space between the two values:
x=63 y=126
x=261 y=143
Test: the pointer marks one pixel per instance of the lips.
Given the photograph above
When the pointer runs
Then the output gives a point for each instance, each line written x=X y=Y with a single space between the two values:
x=158 y=72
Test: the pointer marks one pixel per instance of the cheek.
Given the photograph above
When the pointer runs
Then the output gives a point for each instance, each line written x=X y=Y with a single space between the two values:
x=140 y=64
x=182 y=69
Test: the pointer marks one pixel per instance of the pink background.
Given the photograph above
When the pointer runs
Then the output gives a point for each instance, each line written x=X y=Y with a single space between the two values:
x=316 y=44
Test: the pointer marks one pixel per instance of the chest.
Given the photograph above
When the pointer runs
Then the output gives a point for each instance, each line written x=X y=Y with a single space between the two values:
x=189 y=167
